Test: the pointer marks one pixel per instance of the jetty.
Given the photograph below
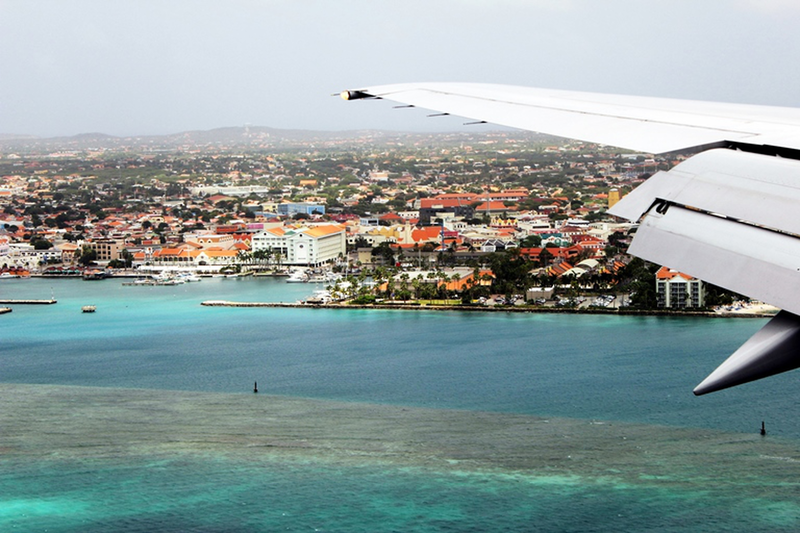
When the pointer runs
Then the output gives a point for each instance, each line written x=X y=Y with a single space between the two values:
x=408 y=306
x=28 y=302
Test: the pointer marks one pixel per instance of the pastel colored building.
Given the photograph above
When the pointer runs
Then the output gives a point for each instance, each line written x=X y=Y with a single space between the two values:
x=677 y=290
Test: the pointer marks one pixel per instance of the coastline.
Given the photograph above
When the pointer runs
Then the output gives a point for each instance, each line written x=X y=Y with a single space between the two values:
x=492 y=309
x=757 y=311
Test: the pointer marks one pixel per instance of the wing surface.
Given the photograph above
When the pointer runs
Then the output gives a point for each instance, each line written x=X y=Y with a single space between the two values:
x=728 y=215
x=654 y=125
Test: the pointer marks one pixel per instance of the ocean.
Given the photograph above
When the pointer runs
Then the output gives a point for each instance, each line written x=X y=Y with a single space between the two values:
x=142 y=417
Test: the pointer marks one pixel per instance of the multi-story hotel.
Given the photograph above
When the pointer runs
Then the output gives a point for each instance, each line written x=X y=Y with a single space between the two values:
x=678 y=290
x=310 y=246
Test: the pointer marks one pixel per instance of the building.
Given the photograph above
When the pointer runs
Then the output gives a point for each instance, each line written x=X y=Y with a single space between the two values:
x=430 y=208
x=291 y=209
x=310 y=246
x=107 y=249
x=613 y=197
x=212 y=241
x=676 y=290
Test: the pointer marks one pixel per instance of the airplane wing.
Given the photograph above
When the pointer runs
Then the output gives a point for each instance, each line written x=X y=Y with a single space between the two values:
x=727 y=215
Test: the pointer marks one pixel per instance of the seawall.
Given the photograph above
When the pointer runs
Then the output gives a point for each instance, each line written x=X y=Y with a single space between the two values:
x=492 y=309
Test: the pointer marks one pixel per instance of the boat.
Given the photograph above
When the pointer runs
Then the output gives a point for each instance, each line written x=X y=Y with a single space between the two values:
x=320 y=297
x=8 y=275
x=167 y=279
x=89 y=308
x=297 y=276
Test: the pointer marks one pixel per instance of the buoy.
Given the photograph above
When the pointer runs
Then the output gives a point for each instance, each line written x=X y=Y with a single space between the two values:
x=255 y=387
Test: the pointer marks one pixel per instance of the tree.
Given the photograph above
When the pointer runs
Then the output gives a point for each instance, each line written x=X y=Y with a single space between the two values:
x=385 y=252
x=511 y=271
x=87 y=255
x=643 y=283
x=41 y=244
x=531 y=241
x=127 y=258
x=545 y=258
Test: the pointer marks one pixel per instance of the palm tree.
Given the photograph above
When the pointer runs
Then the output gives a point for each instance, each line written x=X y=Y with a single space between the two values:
x=454 y=279
x=243 y=256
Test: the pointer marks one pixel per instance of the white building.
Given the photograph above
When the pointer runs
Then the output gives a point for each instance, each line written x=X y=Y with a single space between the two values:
x=309 y=246
x=678 y=290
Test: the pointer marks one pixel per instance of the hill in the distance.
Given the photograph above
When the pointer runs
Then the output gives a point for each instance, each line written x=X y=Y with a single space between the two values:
x=232 y=138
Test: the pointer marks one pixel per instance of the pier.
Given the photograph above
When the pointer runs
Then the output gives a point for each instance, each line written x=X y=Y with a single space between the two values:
x=28 y=302
x=409 y=306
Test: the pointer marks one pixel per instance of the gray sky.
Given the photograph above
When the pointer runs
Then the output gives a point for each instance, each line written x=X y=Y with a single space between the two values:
x=135 y=67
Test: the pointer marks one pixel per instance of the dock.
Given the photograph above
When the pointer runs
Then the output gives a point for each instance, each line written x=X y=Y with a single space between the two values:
x=28 y=302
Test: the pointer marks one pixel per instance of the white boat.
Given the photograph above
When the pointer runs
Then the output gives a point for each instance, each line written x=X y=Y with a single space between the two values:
x=320 y=297
x=167 y=279
x=8 y=275
x=297 y=276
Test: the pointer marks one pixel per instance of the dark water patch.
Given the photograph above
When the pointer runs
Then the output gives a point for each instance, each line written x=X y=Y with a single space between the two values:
x=89 y=459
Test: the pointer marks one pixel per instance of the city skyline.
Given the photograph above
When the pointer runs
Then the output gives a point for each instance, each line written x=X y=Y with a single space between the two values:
x=146 y=68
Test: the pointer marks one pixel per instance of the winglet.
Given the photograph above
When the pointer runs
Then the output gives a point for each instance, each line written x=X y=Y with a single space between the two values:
x=775 y=348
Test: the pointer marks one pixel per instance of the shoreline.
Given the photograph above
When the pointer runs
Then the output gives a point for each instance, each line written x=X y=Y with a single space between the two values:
x=406 y=306
x=495 y=309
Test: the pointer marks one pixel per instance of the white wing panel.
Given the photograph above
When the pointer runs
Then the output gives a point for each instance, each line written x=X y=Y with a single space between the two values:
x=759 y=189
x=651 y=124
x=749 y=260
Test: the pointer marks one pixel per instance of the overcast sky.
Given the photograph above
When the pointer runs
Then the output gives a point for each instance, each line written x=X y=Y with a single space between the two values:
x=136 y=67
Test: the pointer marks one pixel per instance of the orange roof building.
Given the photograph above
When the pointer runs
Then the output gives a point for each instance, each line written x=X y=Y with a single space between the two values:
x=308 y=246
x=676 y=290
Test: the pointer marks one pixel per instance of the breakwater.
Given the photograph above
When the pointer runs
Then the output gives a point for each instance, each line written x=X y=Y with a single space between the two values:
x=488 y=309
x=28 y=302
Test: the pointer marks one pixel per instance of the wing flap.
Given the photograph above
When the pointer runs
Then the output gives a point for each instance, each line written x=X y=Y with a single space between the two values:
x=757 y=189
x=746 y=259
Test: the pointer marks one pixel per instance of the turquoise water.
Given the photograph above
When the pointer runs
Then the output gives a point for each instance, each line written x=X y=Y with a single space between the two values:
x=617 y=441
x=213 y=494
